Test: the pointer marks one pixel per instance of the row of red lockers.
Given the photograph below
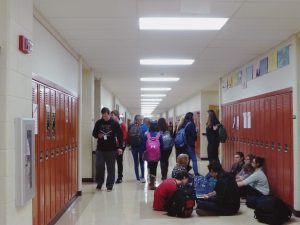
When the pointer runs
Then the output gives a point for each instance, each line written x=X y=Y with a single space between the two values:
x=263 y=126
x=56 y=151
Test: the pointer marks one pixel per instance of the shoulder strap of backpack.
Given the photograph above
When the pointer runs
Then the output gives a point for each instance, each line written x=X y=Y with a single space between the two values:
x=157 y=136
x=148 y=135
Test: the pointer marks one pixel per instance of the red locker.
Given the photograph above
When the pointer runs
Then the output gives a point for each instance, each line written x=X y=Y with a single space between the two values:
x=47 y=156
x=66 y=153
x=57 y=153
x=273 y=151
x=262 y=127
x=36 y=199
x=52 y=152
x=242 y=130
x=41 y=155
x=288 y=149
x=62 y=149
x=257 y=127
x=267 y=133
x=279 y=144
x=248 y=130
x=70 y=150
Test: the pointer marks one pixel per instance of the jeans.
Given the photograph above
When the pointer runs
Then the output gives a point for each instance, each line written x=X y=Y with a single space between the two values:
x=213 y=207
x=137 y=154
x=107 y=158
x=193 y=157
x=120 y=165
x=249 y=191
x=164 y=162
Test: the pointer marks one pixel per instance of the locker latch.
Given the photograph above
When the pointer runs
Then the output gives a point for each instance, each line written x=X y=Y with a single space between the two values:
x=273 y=146
x=286 y=148
x=279 y=147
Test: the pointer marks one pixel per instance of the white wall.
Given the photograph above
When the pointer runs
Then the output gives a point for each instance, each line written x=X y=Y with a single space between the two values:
x=87 y=122
x=107 y=98
x=52 y=61
x=190 y=105
x=276 y=80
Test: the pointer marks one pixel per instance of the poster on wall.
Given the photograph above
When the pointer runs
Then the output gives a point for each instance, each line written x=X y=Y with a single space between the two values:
x=272 y=61
x=224 y=83
x=283 y=57
x=256 y=71
x=244 y=80
x=229 y=81
x=249 y=72
x=234 y=79
x=263 y=66
x=240 y=77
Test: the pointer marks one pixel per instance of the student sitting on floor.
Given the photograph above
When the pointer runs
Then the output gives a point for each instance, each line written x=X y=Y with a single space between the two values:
x=182 y=164
x=246 y=172
x=257 y=183
x=167 y=188
x=225 y=199
x=238 y=164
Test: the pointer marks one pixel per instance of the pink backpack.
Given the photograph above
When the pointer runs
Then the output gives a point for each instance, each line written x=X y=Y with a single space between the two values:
x=152 y=148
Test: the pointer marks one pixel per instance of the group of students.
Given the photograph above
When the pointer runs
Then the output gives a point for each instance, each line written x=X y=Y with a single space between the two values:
x=246 y=178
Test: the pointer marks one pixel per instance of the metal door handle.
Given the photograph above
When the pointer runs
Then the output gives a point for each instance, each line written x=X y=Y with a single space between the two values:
x=279 y=147
x=286 y=148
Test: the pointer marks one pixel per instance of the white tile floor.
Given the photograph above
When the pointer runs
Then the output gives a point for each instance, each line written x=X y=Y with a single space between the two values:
x=131 y=204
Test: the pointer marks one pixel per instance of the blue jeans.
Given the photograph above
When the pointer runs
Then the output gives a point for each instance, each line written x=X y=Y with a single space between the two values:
x=137 y=154
x=192 y=155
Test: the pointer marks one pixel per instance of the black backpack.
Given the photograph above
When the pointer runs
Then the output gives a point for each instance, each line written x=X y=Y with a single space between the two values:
x=272 y=210
x=135 y=136
x=168 y=141
x=181 y=204
x=222 y=134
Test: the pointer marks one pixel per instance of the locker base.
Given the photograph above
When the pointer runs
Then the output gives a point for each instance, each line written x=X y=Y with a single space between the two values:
x=204 y=159
x=87 y=180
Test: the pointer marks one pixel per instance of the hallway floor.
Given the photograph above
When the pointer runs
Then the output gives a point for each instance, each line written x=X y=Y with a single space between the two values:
x=130 y=203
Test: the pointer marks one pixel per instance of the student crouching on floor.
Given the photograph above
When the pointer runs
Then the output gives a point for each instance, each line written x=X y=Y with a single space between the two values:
x=225 y=199
x=167 y=188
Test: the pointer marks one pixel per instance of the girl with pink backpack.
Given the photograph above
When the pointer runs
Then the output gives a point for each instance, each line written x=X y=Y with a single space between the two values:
x=152 y=146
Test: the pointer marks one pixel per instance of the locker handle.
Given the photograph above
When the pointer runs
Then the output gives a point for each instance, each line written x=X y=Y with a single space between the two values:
x=286 y=148
x=62 y=152
x=52 y=153
x=279 y=147
x=57 y=152
x=272 y=146
x=41 y=156
x=47 y=155
x=266 y=145
x=262 y=144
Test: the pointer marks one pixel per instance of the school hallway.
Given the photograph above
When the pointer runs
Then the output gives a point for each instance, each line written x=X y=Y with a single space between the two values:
x=130 y=203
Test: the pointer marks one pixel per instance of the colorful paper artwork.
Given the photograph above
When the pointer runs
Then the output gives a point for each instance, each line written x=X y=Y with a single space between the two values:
x=249 y=72
x=240 y=77
x=283 y=57
x=256 y=71
x=234 y=79
x=272 y=61
x=263 y=66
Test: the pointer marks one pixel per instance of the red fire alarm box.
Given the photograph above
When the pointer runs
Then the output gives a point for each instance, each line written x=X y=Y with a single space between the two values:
x=25 y=45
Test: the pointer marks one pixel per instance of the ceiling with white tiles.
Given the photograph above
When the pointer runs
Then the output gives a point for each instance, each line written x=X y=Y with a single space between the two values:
x=106 y=34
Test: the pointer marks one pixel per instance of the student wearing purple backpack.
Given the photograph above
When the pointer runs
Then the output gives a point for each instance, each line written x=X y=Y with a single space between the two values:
x=152 y=146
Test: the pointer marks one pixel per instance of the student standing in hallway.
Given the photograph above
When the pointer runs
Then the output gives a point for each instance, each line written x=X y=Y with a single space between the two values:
x=212 y=134
x=106 y=130
x=116 y=116
x=191 y=136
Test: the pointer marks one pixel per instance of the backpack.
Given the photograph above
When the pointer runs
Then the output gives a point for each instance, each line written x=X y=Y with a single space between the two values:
x=202 y=186
x=152 y=153
x=180 y=139
x=222 y=134
x=167 y=140
x=135 y=136
x=272 y=210
x=180 y=204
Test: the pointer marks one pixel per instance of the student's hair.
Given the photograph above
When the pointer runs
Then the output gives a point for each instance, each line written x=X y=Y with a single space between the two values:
x=181 y=175
x=116 y=113
x=147 y=121
x=182 y=159
x=212 y=118
x=248 y=168
x=215 y=166
x=180 y=123
x=260 y=161
x=105 y=110
x=241 y=155
x=162 y=124
x=250 y=156
x=189 y=117
x=137 y=119
x=153 y=126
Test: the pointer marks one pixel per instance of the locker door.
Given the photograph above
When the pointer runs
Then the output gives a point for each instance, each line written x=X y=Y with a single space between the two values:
x=47 y=156
x=262 y=127
x=252 y=130
x=41 y=155
x=62 y=149
x=272 y=169
x=242 y=130
x=248 y=130
x=52 y=152
x=36 y=199
x=74 y=146
x=279 y=144
x=267 y=130
x=224 y=119
x=66 y=154
x=257 y=127
x=70 y=132
x=76 y=149
x=57 y=153
x=288 y=149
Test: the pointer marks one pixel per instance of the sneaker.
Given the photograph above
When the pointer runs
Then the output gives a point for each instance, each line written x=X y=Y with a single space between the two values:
x=119 y=180
x=109 y=189
x=142 y=180
x=99 y=186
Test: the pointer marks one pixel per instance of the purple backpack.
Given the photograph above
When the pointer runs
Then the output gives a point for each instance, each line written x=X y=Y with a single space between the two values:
x=152 y=148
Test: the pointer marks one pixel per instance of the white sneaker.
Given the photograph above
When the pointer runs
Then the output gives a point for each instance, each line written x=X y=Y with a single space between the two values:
x=142 y=180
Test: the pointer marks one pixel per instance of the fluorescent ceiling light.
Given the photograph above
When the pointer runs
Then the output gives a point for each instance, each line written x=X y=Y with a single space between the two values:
x=167 y=62
x=156 y=89
x=154 y=95
x=151 y=99
x=160 y=79
x=181 y=23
